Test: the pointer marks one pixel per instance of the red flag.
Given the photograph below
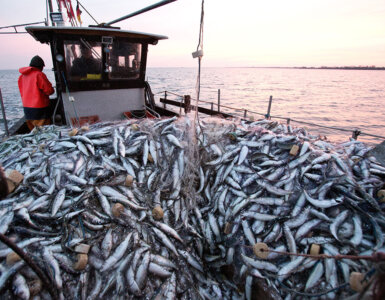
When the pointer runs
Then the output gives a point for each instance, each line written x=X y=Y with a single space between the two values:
x=70 y=10
x=78 y=12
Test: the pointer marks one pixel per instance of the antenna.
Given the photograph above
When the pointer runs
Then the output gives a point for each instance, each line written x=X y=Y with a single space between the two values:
x=156 y=5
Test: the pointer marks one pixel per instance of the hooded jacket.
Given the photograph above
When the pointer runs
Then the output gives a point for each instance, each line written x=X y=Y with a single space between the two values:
x=34 y=88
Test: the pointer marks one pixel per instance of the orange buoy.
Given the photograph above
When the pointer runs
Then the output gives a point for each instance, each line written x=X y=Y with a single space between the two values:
x=357 y=282
x=157 y=213
x=117 y=209
x=261 y=250
x=129 y=180
x=315 y=249
x=81 y=262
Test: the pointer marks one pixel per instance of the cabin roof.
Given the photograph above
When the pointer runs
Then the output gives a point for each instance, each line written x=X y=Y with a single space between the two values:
x=44 y=34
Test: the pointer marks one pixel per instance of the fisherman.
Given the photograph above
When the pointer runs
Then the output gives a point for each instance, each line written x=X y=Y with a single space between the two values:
x=35 y=89
x=85 y=64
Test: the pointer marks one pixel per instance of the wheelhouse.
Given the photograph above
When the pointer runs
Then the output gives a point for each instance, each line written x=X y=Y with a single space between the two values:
x=99 y=72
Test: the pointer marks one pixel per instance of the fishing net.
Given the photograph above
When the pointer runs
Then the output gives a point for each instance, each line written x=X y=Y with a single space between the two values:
x=172 y=209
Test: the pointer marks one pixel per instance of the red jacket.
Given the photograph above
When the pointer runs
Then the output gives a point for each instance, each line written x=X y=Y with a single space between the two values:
x=34 y=87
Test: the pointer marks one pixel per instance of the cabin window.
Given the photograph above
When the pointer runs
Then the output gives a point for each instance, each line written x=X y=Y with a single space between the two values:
x=124 y=60
x=83 y=60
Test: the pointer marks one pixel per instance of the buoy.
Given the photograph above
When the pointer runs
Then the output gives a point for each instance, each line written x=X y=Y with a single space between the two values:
x=73 y=132
x=14 y=178
x=12 y=258
x=81 y=261
x=232 y=136
x=129 y=180
x=157 y=213
x=227 y=228
x=381 y=195
x=117 y=209
x=82 y=248
x=34 y=286
x=135 y=127
x=357 y=282
x=261 y=250
x=294 y=150
x=251 y=118
x=85 y=128
x=315 y=249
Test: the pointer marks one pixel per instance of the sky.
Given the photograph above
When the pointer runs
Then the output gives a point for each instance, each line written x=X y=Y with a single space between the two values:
x=242 y=33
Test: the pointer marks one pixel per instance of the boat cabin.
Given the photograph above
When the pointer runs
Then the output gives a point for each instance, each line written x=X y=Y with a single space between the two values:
x=99 y=72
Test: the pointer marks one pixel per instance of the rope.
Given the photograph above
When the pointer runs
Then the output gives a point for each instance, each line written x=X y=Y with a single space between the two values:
x=200 y=45
x=313 y=295
x=88 y=13
x=68 y=92
x=375 y=257
x=47 y=283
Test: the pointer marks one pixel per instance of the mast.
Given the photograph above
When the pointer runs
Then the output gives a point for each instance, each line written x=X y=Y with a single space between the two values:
x=156 y=5
x=50 y=8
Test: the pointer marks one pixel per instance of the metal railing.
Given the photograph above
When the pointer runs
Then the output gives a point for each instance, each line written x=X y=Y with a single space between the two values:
x=4 y=116
x=245 y=112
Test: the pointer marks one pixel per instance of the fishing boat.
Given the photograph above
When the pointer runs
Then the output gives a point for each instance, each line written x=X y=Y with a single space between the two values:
x=222 y=228
x=110 y=85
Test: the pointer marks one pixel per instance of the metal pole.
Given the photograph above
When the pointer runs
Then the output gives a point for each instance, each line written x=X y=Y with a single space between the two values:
x=219 y=100
x=269 y=108
x=187 y=104
x=50 y=9
x=165 y=98
x=355 y=134
x=212 y=107
x=245 y=113
x=156 y=5
x=4 y=117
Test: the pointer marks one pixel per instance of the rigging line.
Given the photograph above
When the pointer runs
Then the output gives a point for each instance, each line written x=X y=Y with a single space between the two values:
x=200 y=42
x=20 y=25
x=46 y=10
x=69 y=95
x=200 y=45
x=88 y=13
x=12 y=32
x=342 y=286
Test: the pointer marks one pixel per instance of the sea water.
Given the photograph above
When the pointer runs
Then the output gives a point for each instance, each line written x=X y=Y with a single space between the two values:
x=346 y=99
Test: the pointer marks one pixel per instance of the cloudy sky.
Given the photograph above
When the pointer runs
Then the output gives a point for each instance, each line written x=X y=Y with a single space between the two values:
x=236 y=33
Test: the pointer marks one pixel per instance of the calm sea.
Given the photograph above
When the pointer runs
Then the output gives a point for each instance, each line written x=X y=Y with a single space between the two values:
x=347 y=99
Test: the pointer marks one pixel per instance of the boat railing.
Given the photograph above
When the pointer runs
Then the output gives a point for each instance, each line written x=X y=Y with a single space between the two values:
x=216 y=108
x=4 y=116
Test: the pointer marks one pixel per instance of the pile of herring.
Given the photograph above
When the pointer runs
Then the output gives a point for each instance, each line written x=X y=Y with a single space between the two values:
x=159 y=209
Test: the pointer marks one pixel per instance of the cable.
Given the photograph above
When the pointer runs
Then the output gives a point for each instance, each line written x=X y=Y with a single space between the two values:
x=375 y=257
x=88 y=13
x=200 y=45
x=313 y=295
x=68 y=92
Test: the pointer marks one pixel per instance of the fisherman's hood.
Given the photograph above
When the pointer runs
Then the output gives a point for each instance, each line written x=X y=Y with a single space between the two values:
x=27 y=70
